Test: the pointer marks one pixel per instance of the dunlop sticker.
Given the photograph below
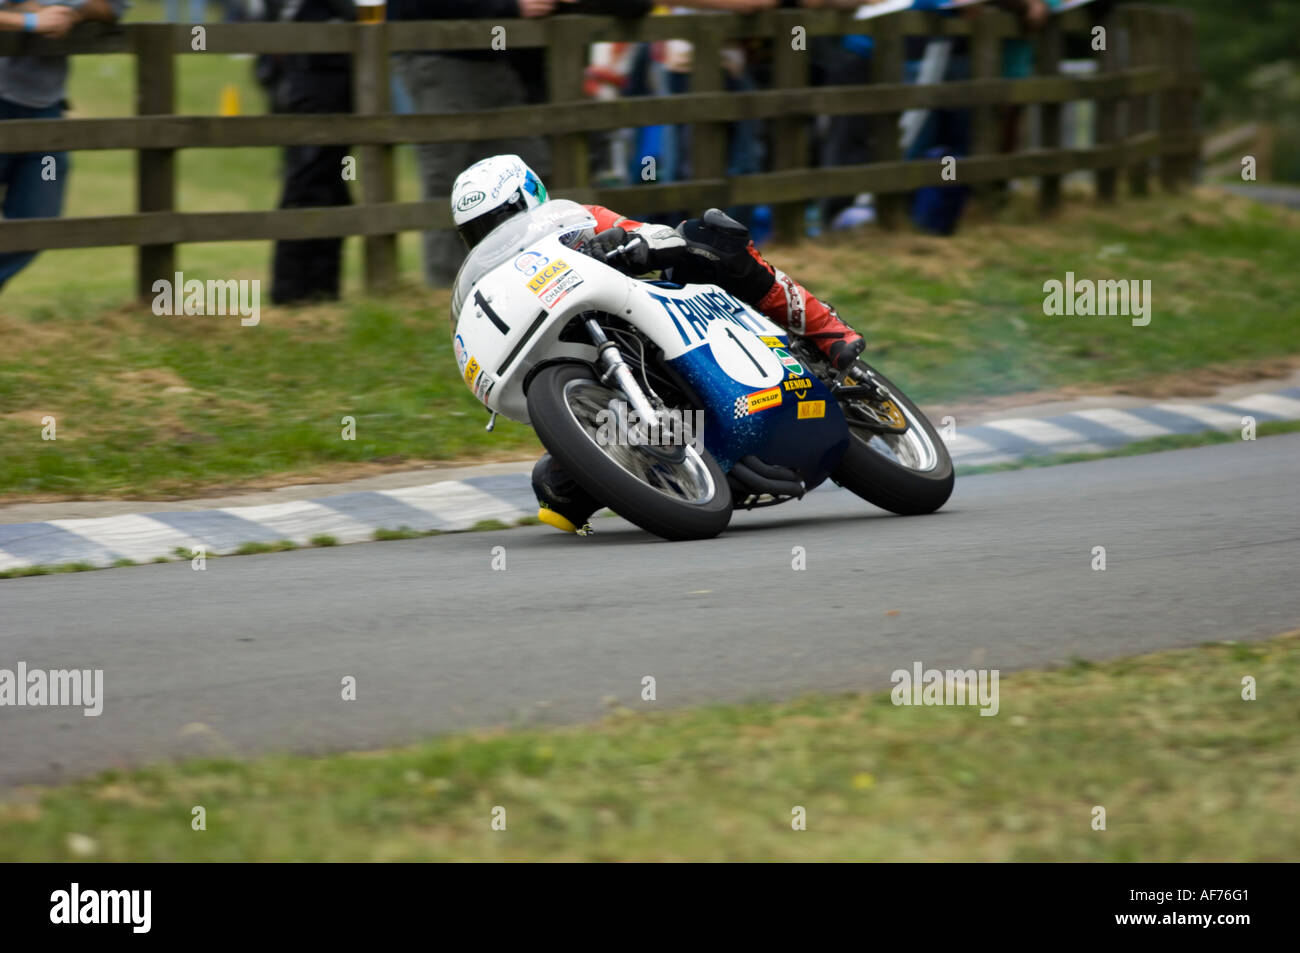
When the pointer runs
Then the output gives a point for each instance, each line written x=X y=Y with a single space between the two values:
x=758 y=401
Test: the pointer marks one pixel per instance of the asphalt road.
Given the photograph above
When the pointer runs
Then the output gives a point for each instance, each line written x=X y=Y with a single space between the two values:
x=1286 y=195
x=249 y=654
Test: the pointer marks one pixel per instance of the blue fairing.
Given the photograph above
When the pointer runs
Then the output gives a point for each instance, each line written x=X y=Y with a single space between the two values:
x=739 y=421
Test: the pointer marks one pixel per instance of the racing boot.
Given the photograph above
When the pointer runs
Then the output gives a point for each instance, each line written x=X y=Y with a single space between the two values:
x=792 y=306
x=561 y=502
x=819 y=321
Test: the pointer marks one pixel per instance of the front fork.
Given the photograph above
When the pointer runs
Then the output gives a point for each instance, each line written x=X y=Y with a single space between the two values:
x=613 y=367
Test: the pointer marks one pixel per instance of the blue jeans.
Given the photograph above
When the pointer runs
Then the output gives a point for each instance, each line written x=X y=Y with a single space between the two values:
x=950 y=128
x=198 y=11
x=33 y=185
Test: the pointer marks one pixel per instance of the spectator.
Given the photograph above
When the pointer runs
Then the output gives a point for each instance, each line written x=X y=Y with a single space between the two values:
x=33 y=87
x=1018 y=61
x=466 y=81
x=608 y=76
x=841 y=61
x=444 y=82
x=309 y=269
x=668 y=72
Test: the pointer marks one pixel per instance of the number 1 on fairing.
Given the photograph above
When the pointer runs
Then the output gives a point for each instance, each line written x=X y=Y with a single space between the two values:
x=732 y=334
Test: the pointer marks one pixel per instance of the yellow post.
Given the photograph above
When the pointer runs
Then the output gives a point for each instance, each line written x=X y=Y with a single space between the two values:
x=230 y=100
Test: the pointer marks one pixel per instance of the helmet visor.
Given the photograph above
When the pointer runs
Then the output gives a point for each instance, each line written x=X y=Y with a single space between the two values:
x=477 y=229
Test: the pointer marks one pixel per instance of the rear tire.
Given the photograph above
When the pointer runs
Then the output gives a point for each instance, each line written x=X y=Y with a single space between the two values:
x=888 y=483
x=572 y=441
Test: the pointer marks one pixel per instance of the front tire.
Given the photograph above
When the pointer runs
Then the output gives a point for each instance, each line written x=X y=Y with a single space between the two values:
x=676 y=495
x=909 y=473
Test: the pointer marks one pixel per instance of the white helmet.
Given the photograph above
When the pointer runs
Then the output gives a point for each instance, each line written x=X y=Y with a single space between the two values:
x=491 y=191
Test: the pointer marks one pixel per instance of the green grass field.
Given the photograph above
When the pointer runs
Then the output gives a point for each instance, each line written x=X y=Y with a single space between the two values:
x=151 y=407
x=1185 y=769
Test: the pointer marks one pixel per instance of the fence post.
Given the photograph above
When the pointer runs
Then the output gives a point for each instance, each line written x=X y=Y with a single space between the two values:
x=1107 y=128
x=708 y=139
x=566 y=61
x=1141 y=48
x=1048 y=63
x=791 y=69
x=887 y=67
x=371 y=87
x=155 y=169
x=1172 y=101
x=986 y=63
x=1190 y=96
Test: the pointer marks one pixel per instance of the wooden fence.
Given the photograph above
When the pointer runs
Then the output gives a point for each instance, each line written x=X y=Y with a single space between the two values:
x=1146 y=91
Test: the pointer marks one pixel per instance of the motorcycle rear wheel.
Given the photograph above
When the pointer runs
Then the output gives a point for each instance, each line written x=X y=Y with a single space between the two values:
x=908 y=473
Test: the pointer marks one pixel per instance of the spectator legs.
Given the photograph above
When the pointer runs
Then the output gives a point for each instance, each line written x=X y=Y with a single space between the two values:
x=848 y=138
x=744 y=148
x=441 y=83
x=308 y=269
x=34 y=183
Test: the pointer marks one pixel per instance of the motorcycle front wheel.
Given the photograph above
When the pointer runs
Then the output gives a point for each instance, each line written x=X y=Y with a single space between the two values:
x=677 y=492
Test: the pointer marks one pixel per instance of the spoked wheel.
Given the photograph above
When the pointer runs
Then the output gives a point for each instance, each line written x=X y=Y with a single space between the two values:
x=895 y=458
x=673 y=491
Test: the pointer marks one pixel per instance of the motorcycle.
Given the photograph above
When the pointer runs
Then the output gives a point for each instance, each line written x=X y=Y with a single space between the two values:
x=674 y=404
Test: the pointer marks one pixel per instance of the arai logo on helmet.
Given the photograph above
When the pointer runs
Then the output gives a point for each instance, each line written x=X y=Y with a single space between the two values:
x=469 y=200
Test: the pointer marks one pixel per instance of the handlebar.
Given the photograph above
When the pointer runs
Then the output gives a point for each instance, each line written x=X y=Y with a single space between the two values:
x=617 y=252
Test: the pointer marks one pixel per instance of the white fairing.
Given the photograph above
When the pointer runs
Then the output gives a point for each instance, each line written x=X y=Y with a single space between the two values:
x=525 y=281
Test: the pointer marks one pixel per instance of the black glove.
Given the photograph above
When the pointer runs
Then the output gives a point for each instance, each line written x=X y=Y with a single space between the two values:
x=715 y=236
x=648 y=248
x=600 y=246
x=717 y=252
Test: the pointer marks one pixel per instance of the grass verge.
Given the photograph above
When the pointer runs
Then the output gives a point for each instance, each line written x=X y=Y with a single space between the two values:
x=1185 y=768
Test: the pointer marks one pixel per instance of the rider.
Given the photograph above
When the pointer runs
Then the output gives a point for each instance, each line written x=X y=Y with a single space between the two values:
x=713 y=248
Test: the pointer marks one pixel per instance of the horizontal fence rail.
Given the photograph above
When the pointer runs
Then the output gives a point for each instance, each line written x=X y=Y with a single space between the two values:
x=1147 y=76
